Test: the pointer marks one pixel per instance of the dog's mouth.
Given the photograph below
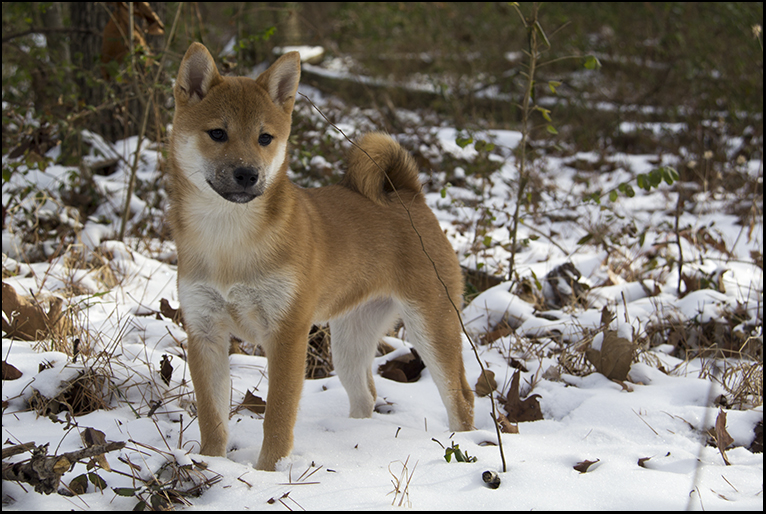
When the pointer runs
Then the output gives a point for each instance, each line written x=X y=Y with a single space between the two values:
x=238 y=197
x=235 y=196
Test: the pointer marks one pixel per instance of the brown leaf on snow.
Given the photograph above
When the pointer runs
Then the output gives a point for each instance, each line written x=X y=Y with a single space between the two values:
x=722 y=437
x=28 y=320
x=606 y=316
x=505 y=426
x=521 y=410
x=642 y=461
x=583 y=466
x=174 y=315
x=166 y=369
x=253 y=403
x=614 y=358
x=757 y=445
x=503 y=329
x=482 y=389
x=91 y=437
x=405 y=368
x=10 y=372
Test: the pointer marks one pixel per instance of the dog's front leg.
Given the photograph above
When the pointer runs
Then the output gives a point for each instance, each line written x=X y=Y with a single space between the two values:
x=209 y=367
x=207 y=325
x=286 y=353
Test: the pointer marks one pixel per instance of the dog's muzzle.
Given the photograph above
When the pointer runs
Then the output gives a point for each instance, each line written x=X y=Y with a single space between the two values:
x=240 y=186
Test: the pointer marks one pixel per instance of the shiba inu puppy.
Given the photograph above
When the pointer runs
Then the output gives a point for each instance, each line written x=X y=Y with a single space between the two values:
x=264 y=259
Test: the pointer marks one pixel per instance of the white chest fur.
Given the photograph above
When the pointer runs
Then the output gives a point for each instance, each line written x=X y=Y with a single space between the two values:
x=250 y=311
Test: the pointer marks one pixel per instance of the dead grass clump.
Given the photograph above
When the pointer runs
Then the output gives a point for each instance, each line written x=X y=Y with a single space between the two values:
x=318 y=356
x=573 y=361
x=559 y=288
x=743 y=382
x=87 y=392
x=171 y=485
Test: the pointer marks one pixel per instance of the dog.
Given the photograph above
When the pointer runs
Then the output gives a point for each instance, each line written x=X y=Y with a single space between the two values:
x=263 y=259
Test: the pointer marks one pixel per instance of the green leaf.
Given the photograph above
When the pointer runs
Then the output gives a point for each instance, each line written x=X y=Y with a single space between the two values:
x=487 y=241
x=97 y=481
x=552 y=130
x=124 y=491
x=668 y=174
x=585 y=239
x=655 y=177
x=459 y=455
x=79 y=484
x=546 y=114
x=462 y=142
x=613 y=195
x=542 y=33
x=592 y=63
x=552 y=85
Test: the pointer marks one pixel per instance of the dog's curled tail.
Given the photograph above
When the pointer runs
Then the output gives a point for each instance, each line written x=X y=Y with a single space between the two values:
x=377 y=165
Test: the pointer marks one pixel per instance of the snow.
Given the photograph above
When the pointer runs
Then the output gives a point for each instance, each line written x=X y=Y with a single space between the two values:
x=659 y=414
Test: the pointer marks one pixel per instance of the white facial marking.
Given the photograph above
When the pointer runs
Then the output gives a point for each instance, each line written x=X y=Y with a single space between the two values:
x=191 y=162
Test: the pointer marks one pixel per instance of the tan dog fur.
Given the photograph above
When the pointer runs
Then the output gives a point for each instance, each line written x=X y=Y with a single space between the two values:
x=264 y=259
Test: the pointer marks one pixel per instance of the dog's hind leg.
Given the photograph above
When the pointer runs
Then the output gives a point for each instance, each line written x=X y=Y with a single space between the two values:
x=354 y=338
x=436 y=335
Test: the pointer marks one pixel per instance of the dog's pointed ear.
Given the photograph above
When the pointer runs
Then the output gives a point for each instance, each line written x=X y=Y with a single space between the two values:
x=196 y=76
x=281 y=80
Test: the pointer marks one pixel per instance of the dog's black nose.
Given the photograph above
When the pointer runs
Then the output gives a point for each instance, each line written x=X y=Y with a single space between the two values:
x=245 y=177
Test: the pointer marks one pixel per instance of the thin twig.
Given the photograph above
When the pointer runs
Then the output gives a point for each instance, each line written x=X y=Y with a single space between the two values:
x=531 y=27
x=142 y=133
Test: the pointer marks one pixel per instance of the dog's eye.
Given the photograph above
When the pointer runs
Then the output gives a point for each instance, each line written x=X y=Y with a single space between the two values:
x=265 y=139
x=218 y=135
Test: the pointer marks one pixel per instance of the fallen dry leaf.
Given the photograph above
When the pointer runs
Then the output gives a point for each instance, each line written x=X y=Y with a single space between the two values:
x=503 y=329
x=174 y=315
x=92 y=437
x=166 y=369
x=10 y=372
x=757 y=445
x=482 y=389
x=614 y=358
x=505 y=426
x=722 y=437
x=583 y=466
x=253 y=403
x=28 y=320
x=521 y=410
x=405 y=368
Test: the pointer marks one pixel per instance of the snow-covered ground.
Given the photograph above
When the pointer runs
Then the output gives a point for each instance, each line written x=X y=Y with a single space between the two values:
x=661 y=413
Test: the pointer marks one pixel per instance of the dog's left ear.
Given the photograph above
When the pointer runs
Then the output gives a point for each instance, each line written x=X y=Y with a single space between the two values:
x=281 y=80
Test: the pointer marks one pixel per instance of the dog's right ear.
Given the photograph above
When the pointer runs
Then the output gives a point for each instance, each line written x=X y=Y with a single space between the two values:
x=196 y=76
